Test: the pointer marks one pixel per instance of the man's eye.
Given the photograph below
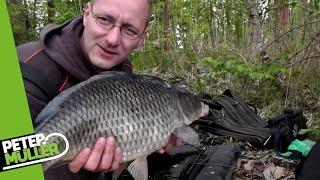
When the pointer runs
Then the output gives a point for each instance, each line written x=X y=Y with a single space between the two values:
x=129 y=31
x=105 y=20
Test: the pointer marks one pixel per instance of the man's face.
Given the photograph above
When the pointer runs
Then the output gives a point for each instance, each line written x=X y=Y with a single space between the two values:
x=108 y=48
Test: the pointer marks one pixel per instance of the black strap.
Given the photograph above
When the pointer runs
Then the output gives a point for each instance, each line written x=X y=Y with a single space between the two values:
x=39 y=78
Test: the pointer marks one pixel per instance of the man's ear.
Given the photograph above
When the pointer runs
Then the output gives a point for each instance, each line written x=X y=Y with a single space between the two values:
x=143 y=36
x=86 y=13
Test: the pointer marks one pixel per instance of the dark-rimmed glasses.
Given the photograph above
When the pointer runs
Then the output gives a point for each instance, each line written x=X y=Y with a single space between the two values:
x=108 y=23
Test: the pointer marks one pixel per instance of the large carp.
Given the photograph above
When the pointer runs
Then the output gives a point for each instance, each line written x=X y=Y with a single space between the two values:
x=140 y=111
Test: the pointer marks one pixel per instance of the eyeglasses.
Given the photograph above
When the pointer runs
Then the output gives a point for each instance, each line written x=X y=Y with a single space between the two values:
x=108 y=23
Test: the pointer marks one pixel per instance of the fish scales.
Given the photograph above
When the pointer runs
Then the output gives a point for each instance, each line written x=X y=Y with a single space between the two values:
x=141 y=112
x=145 y=110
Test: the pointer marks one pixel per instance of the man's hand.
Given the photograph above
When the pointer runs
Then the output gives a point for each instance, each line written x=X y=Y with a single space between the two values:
x=104 y=156
x=173 y=141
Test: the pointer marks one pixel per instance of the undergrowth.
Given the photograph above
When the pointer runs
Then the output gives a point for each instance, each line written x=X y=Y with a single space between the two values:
x=269 y=85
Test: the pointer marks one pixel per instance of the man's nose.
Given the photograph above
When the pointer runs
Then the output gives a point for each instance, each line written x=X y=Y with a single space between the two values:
x=114 y=36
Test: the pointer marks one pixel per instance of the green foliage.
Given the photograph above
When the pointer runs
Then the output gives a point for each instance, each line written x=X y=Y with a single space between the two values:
x=311 y=133
x=21 y=27
x=238 y=24
x=236 y=67
x=66 y=10
x=210 y=46
x=64 y=17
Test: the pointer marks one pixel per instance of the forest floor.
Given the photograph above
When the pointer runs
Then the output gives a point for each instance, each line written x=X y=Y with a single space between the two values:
x=255 y=163
x=264 y=164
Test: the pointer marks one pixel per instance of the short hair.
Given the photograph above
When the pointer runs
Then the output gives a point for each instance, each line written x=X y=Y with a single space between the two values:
x=149 y=13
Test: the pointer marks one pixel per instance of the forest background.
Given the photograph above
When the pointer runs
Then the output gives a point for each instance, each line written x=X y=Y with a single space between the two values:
x=267 y=51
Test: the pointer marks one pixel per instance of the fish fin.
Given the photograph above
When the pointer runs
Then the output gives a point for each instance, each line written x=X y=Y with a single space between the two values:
x=188 y=135
x=116 y=174
x=139 y=168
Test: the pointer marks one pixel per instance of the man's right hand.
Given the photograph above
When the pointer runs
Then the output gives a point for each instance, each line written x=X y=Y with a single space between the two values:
x=102 y=157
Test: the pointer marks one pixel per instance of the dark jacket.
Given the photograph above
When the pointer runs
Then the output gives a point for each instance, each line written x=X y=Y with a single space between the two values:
x=56 y=62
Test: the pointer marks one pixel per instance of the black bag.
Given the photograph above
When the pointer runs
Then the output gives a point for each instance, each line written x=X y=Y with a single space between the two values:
x=231 y=116
x=308 y=167
x=193 y=163
x=285 y=127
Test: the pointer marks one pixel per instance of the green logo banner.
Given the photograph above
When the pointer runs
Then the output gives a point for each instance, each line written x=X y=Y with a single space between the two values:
x=15 y=118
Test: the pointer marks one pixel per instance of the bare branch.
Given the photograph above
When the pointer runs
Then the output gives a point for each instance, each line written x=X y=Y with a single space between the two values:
x=286 y=33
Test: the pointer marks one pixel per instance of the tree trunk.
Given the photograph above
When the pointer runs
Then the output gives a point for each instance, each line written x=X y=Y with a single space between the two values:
x=211 y=23
x=166 y=24
x=26 y=15
x=51 y=11
x=284 y=14
x=257 y=36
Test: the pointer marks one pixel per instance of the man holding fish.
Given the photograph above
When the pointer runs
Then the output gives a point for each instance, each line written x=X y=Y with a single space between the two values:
x=101 y=39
